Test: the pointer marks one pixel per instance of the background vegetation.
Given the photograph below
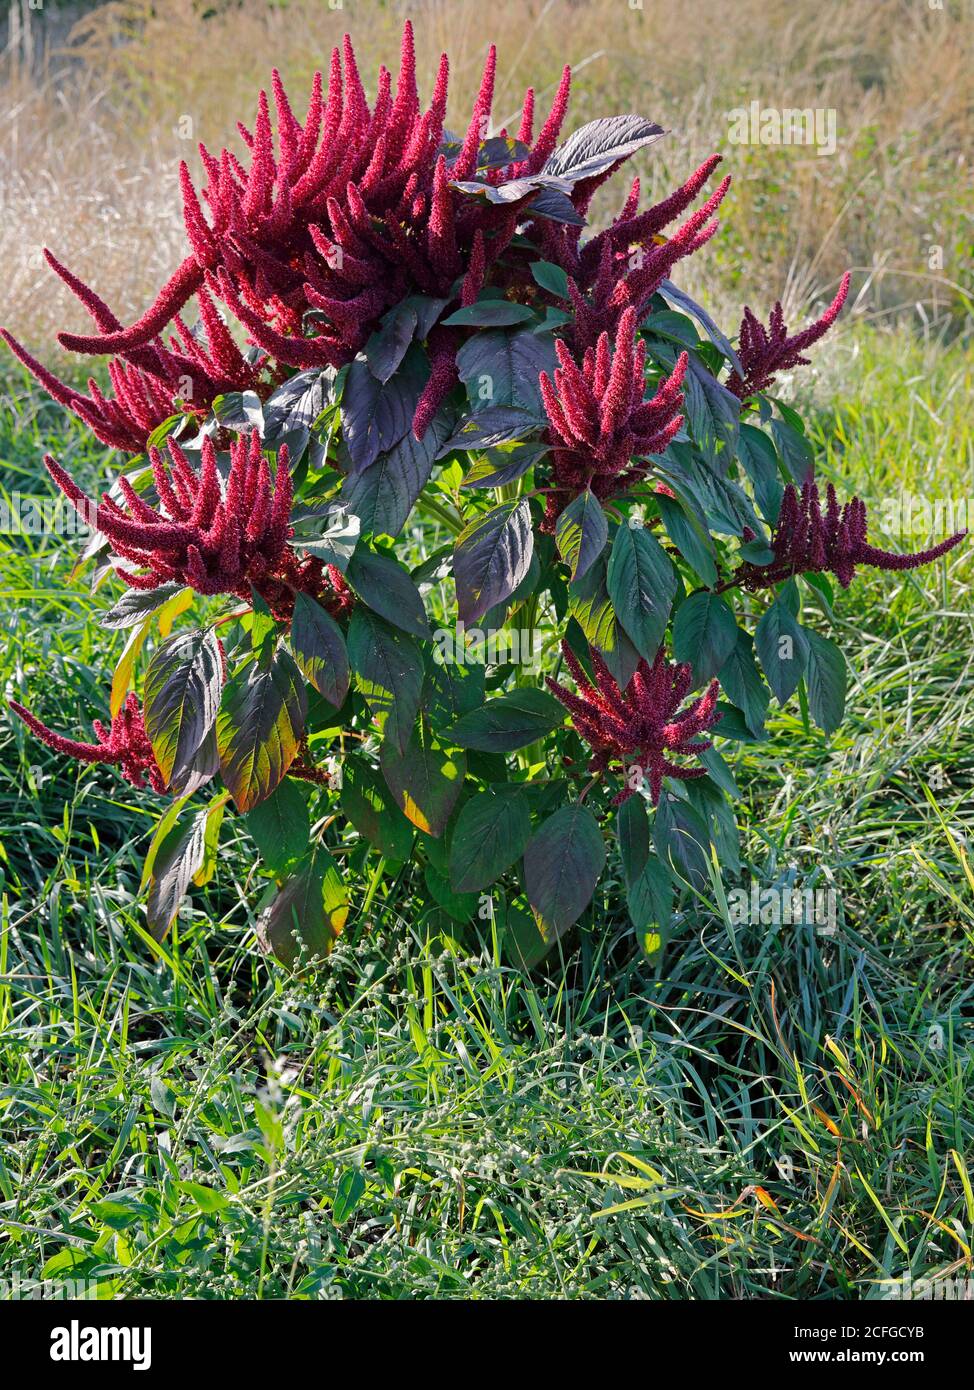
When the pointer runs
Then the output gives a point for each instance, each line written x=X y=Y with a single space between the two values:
x=766 y=1110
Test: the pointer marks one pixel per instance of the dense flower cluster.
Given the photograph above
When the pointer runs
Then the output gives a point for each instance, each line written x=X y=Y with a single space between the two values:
x=625 y=265
x=357 y=207
x=151 y=383
x=763 y=352
x=125 y=745
x=641 y=727
x=810 y=538
x=219 y=539
x=598 y=421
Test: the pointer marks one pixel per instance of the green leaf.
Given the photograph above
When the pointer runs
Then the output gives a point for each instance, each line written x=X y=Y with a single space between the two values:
x=311 y=908
x=682 y=840
x=181 y=697
x=382 y=495
x=632 y=825
x=760 y=462
x=581 y=533
x=319 y=649
x=369 y=805
x=826 y=681
x=510 y=721
x=136 y=604
x=713 y=414
x=491 y=557
x=742 y=683
x=502 y=368
x=650 y=898
x=687 y=530
x=348 y=1194
x=281 y=826
x=641 y=584
x=490 y=834
x=388 y=666
x=704 y=633
x=592 y=609
x=489 y=313
x=782 y=647
x=385 y=586
x=425 y=780
x=562 y=865
x=176 y=861
x=550 y=277
x=259 y=726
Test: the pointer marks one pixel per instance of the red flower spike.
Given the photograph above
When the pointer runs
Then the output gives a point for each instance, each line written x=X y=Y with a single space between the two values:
x=125 y=745
x=217 y=542
x=806 y=539
x=764 y=352
x=642 y=727
x=598 y=421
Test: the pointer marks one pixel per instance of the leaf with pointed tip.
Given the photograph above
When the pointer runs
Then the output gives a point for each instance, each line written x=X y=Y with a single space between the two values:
x=178 y=857
x=383 y=494
x=319 y=649
x=783 y=648
x=375 y=414
x=826 y=681
x=281 y=826
x=562 y=865
x=704 y=633
x=260 y=724
x=136 y=604
x=741 y=681
x=501 y=368
x=388 y=668
x=310 y=909
x=490 y=834
x=181 y=695
x=508 y=722
x=386 y=587
x=369 y=805
x=581 y=533
x=641 y=584
x=425 y=780
x=491 y=557
x=595 y=147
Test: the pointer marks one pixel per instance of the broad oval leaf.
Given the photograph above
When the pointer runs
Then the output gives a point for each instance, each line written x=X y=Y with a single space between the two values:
x=581 y=533
x=319 y=649
x=259 y=726
x=369 y=805
x=826 y=681
x=741 y=680
x=782 y=646
x=310 y=910
x=562 y=865
x=181 y=696
x=508 y=722
x=704 y=633
x=641 y=582
x=426 y=780
x=490 y=834
x=281 y=826
x=595 y=147
x=491 y=557
x=388 y=667
x=388 y=590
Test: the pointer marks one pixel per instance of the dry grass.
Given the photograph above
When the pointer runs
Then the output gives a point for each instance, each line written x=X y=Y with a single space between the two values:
x=95 y=123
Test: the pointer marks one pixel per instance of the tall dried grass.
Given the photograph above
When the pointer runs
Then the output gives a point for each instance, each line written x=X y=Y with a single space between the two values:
x=96 y=119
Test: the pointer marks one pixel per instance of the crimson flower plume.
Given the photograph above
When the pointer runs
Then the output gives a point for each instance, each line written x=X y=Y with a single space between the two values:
x=809 y=537
x=643 y=726
x=125 y=744
x=764 y=352
x=598 y=421
x=217 y=538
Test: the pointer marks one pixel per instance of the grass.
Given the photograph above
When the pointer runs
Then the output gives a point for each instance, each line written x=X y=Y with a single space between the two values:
x=765 y=1111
